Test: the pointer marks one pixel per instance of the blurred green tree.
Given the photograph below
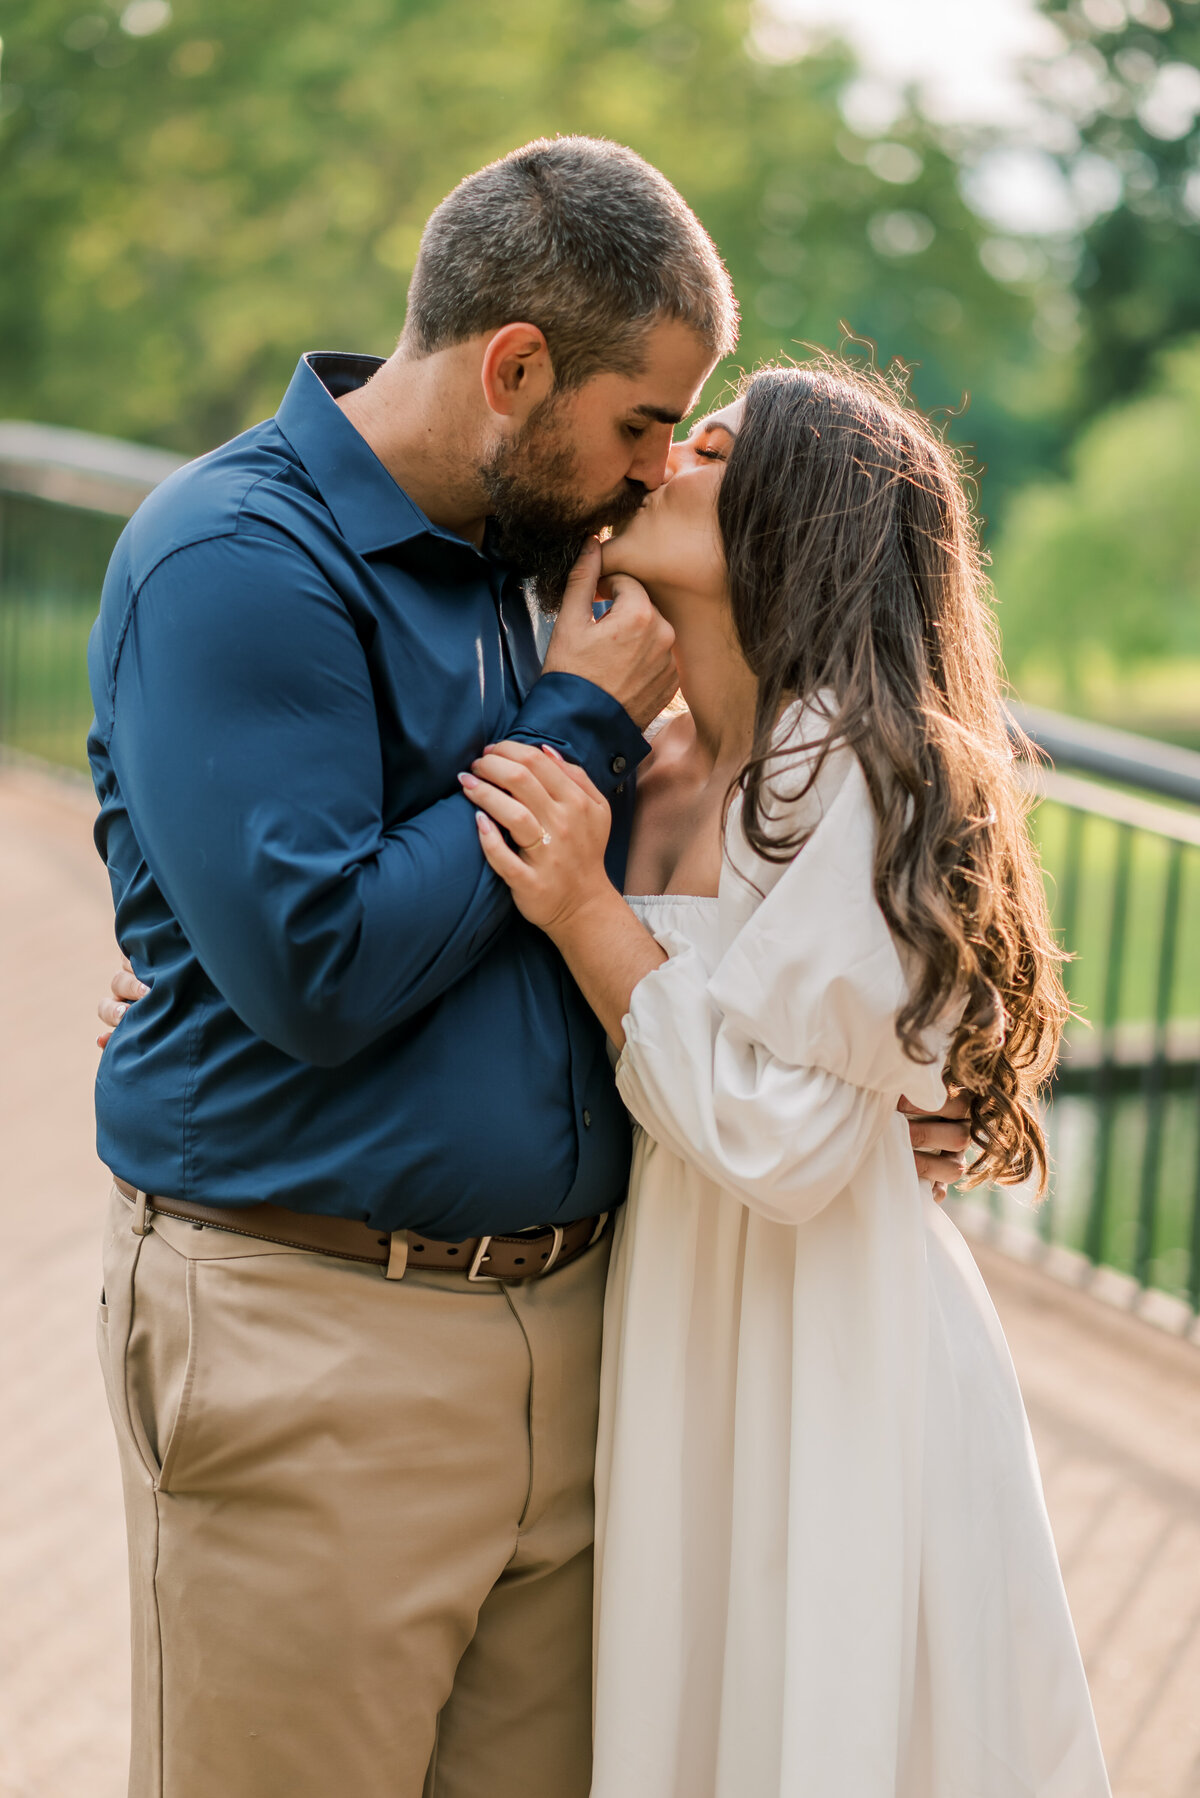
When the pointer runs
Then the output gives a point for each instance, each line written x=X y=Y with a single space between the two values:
x=195 y=193
x=1107 y=561
x=1130 y=79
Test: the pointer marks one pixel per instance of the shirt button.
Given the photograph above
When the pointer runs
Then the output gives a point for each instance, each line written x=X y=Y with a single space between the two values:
x=587 y=1118
x=618 y=764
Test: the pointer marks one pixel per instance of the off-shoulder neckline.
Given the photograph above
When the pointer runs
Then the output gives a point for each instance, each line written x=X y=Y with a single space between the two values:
x=671 y=898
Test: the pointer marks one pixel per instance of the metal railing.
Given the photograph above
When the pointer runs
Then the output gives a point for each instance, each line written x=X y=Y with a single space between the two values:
x=64 y=496
x=1124 y=1121
x=1113 y=755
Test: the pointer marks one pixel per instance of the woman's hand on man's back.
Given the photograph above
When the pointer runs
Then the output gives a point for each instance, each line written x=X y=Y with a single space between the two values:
x=125 y=989
x=939 y=1143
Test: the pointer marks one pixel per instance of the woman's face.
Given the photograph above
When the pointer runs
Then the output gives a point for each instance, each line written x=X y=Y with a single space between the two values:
x=672 y=545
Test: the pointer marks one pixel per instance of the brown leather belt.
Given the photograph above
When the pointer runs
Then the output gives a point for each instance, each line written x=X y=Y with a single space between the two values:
x=508 y=1259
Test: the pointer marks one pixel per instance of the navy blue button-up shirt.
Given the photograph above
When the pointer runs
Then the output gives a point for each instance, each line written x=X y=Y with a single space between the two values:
x=346 y=1015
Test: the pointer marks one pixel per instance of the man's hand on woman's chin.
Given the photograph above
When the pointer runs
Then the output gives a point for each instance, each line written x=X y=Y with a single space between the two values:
x=124 y=990
x=629 y=652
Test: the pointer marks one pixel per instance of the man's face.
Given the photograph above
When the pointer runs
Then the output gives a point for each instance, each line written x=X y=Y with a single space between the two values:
x=586 y=459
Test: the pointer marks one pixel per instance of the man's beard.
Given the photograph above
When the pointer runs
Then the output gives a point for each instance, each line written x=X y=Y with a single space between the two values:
x=537 y=524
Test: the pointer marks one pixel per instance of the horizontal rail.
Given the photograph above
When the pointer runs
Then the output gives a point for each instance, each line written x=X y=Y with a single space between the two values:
x=1118 y=755
x=1077 y=1079
x=1118 y=807
x=78 y=468
x=1132 y=1043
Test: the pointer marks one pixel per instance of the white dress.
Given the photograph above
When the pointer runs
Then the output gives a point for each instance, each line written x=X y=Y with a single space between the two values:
x=824 y=1565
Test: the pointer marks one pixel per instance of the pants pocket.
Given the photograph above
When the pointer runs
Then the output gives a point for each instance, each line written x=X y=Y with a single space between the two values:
x=102 y=1345
x=157 y=1368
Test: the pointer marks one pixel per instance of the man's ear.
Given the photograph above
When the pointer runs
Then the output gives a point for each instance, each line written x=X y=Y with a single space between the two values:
x=516 y=372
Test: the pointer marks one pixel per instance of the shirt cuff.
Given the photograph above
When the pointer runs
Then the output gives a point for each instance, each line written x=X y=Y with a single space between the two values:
x=585 y=724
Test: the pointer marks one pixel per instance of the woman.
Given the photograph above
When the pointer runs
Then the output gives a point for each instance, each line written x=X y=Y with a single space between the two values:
x=824 y=1564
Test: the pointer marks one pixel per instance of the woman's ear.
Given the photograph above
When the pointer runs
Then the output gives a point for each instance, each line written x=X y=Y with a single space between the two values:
x=516 y=372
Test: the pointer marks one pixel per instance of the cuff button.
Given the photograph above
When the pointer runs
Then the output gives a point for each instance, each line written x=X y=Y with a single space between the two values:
x=618 y=764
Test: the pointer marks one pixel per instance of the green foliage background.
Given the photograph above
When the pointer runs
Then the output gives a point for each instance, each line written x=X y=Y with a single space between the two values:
x=1138 y=271
x=192 y=196
x=189 y=209
x=1109 y=558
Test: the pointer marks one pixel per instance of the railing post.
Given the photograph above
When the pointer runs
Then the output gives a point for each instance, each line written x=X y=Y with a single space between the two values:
x=1155 y=1082
x=1105 y=1084
x=1194 y=1244
x=1068 y=914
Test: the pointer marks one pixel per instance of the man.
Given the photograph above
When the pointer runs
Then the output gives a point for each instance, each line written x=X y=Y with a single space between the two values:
x=362 y=1126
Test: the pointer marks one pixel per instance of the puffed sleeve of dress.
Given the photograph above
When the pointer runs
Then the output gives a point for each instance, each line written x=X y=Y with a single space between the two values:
x=776 y=1073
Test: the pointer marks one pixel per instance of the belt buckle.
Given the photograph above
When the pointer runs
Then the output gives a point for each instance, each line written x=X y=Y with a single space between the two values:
x=477 y=1261
x=481 y=1254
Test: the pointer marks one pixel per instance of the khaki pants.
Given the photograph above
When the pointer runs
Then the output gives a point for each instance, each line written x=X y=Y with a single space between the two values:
x=360 y=1520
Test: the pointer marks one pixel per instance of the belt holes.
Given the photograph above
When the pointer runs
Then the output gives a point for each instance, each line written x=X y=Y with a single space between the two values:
x=518 y=1260
x=452 y=1251
x=417 y=1248
x=384 y=1241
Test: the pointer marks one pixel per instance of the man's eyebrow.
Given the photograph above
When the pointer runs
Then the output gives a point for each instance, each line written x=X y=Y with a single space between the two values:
x=660 y=414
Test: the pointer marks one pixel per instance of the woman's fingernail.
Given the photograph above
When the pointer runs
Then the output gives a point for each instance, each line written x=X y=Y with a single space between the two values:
x=467 y=780
x=143 y=989
x=484 y=822
x=549 y=750
x=488 y=748
x=121 y=1010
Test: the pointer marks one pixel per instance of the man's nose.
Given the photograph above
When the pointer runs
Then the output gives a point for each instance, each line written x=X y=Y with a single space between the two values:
x=653 y=464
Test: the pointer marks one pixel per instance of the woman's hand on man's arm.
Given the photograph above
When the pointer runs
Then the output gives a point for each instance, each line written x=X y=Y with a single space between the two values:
x=543 y=827
x=557 y=823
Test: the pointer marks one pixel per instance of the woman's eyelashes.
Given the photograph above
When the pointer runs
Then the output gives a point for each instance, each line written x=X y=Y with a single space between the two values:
x=708 y=448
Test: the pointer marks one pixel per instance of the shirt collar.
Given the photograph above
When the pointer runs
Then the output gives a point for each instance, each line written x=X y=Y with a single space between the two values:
x=372 y=511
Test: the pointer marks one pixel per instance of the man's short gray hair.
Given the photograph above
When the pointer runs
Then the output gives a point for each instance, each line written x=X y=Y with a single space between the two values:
x=579 y=237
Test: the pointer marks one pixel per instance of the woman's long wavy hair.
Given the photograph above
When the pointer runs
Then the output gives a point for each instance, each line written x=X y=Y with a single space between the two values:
x=854 y=568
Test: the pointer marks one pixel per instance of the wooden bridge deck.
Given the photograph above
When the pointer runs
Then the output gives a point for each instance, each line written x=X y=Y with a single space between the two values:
x=1114 y=1403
